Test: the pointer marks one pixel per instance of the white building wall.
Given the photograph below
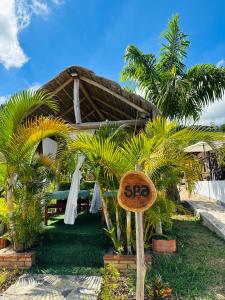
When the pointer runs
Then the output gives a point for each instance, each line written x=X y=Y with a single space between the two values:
x=214 y=190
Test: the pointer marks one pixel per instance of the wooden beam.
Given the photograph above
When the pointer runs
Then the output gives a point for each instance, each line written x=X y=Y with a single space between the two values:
x=71 y=108
x=67 y=111
x=95 y=125
x=88 y=115
x=91 y=101
x=62 y=85
x=83 y=98
x=110 y=114
x=113 y=108
x=76 y=100
x=68 y=95
x=135 y=106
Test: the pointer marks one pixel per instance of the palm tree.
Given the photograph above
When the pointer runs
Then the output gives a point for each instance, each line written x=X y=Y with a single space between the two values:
x=20 y=135
x=179 y=92
x=159 y=149
x=103 y=158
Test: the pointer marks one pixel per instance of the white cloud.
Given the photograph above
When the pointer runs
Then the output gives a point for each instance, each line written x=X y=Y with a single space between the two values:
x=220 y=63
x=35 y=86
x=3 y=99
x=15 y=16
x=11 y=54
x=57 y=2
x=214 y=112
x=39 y=7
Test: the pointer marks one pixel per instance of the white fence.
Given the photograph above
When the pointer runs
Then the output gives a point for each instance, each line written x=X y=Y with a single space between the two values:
x=214 y=190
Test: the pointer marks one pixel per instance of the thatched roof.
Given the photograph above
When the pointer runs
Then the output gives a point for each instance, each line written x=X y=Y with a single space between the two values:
x=100 y=99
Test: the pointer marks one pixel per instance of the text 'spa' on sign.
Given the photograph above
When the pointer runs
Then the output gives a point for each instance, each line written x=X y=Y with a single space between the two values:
x=137 y=192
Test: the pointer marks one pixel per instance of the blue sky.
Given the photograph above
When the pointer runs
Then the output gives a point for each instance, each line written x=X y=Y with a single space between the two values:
x=39 y=38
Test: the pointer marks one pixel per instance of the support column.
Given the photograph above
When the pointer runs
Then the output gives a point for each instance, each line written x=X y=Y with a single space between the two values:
x=76 y=100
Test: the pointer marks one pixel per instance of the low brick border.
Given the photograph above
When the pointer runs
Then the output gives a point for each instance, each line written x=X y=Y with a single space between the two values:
x=164 y=246
x=125 y=262
x=9 y=259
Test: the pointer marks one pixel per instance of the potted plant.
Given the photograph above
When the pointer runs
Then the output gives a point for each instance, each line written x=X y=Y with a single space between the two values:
x=163 y=244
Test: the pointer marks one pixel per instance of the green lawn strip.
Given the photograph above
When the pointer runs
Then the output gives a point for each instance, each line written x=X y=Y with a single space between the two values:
x=198 y=268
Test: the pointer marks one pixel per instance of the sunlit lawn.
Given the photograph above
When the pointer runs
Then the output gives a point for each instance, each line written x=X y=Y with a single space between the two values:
x=197 y=271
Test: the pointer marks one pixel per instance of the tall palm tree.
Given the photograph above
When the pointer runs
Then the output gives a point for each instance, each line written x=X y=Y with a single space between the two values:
x=178 y=91
x=20 y=135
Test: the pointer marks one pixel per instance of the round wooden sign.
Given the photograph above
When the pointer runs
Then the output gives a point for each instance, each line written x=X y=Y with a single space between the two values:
x=137 y=192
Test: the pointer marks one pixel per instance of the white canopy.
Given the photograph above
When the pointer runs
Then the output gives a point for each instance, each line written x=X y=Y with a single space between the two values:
x=203 y=147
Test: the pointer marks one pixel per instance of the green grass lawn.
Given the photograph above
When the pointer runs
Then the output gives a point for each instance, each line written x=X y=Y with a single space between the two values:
x=76 y=249
x=197 y=271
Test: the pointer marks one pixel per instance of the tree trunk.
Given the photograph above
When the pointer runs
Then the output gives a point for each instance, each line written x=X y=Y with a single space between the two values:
x=173 y=193
x=9 y=194
x=118 y=231
x=57 y=181
x=158 y=226
x=129 y=249
x=106 y=214
x=24 y=204
x=9 y=198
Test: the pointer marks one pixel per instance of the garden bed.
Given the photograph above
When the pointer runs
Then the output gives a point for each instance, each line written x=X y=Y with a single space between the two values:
x=10 y=259
x=124 y=262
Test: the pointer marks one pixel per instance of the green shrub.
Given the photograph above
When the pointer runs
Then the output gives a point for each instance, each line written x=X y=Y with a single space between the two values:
x=28 y=222
x=158 y=289
x=113 y=287
x=110 y=282
x=29 y=199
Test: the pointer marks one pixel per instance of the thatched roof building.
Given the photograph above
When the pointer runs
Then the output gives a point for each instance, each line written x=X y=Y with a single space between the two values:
x=84 y=97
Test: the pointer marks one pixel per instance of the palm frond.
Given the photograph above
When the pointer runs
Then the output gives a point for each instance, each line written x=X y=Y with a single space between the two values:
x=208 y=84
x=29 y=134
x=20 y=105
x=101 y=151
x=174 y=50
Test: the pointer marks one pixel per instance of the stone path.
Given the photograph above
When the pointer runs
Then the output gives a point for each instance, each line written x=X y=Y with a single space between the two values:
x=212 y=213
x=53 y=287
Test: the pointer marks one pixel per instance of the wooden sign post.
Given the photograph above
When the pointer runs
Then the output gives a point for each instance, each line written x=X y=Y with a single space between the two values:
x=137 y=193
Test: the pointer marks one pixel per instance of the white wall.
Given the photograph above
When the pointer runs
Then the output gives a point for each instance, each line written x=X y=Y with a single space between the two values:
x=212 y=189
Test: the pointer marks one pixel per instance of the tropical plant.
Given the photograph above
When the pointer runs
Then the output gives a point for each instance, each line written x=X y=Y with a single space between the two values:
x=178 y=91
x=94 y=148
x=21 y=134
x=158 y=217
x=158 y=289
x=114 y=287
x=30 y=198
x=159 y=149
